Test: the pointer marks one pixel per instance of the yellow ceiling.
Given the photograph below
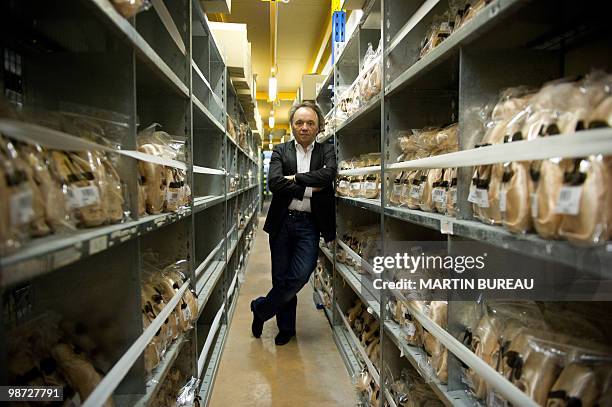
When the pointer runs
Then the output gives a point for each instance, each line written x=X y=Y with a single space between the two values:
x=299 y=35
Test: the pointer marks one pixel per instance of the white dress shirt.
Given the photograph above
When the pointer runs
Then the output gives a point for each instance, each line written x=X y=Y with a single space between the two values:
x=303 y=165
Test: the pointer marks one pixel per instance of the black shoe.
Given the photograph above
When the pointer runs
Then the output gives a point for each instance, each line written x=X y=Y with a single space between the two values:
x=257 y=325
x=283 y=337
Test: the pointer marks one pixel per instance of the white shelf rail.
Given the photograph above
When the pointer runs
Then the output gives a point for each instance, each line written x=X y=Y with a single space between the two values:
x=486 y=372
x=109 y=383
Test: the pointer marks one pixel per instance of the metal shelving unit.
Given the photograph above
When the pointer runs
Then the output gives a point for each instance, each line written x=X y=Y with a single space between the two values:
x=161 y=66
x=508 y=43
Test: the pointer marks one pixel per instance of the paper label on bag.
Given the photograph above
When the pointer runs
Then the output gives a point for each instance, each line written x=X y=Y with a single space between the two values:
x=397 y=189
x=533 y=199
x=370 y=185
x=568 y=202
x=22 y=209
x=473 y=196
x=355 y=186
x=502 y=200
x=416 y=192
x=187 y=314
x=479 y=196
x=410 y=329
x=83 y=196
x=484 y=198
x=343 y=184
x=172 y=195
x=438 y=195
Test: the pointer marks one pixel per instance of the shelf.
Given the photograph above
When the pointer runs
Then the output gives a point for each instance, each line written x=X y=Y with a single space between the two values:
x=43 y=255
x=317 y=298
x=356 y=343
x=504 y=387
x=199 y=73
x=425 y=8
x=358 y=259
x=115 y=375
x=591 y=259
x=576 y=145
x=361 y=286
x=328 y=253
x=213 y=366
x=32 y=133
x=203 y=116
x=418 y=359
x=474 y=28
x=240 y=191
x=348 y=356
x=363 y=203
x=211 y=276
x=203 y=202
x=144 y=51
x=325 y=92
x=158 y=375
x=243 y=151
x=372 y=108
x=208 y=171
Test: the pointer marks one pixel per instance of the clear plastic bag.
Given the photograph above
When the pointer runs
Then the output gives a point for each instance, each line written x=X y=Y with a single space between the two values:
x=486 y=182
x=395 y=189
x=585 y=200
x=187 y=394
x=441 y=29
x=129 y=8
x=434 y=177
x=53 y=194
x=22 y=202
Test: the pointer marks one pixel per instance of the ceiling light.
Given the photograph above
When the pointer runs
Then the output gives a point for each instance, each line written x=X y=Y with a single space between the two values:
x=271 y=121
x=270 y=146
x=272 y=89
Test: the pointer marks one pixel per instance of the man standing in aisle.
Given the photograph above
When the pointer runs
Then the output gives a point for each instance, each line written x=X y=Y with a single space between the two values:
x=301 y=178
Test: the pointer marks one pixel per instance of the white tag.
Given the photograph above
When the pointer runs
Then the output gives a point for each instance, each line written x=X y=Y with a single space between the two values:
x=369 y=185
x=187 y=314
x=416 y=192
x=534 y=205
x=410 y=329
x=446 y=227
x=473 y=197
x=479 y=197
x=355 y=185
x=172 y=195
x=397 y=189
x=98 y=244
x=438 y=195
x=484 y=198
x=83 y=196
x=502 y=200
x=343 y=184
x=22 y=209
x=568 y=202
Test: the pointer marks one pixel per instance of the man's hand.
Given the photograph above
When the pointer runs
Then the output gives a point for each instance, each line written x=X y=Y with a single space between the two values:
x=290 y=177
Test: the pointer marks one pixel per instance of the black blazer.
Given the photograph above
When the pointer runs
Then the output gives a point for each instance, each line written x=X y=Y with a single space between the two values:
x=322 y=174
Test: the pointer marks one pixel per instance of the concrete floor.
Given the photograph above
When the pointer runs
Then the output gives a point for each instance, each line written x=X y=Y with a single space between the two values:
x=308 y=371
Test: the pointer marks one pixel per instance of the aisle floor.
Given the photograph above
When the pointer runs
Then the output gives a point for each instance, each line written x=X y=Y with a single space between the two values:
x=308 y=371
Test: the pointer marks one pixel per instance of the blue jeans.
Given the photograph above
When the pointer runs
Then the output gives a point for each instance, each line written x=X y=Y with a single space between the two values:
x=294 y=251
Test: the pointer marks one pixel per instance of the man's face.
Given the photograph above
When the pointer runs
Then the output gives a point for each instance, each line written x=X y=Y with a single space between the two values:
x=305 y=125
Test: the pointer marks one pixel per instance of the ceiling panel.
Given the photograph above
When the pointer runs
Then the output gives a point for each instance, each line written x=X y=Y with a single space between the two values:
x=300 y=25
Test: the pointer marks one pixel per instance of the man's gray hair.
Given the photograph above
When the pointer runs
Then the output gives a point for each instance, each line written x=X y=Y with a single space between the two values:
x=311 y=105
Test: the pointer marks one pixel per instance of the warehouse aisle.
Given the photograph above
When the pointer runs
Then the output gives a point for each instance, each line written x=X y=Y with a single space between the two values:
x=308 y=371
